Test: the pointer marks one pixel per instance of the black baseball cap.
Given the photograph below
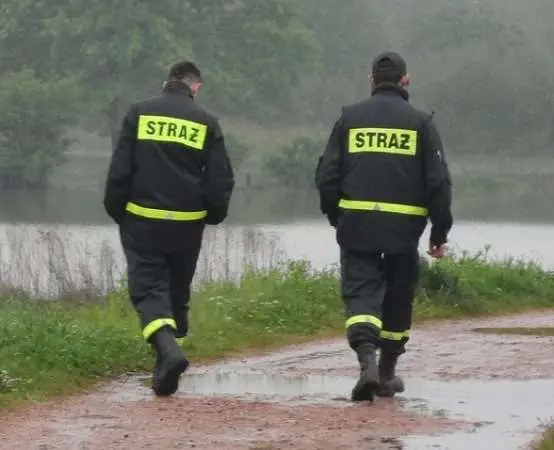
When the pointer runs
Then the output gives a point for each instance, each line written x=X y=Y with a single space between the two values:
x=389 y=66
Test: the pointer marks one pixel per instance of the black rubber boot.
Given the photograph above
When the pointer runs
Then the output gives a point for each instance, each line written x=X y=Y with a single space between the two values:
x=182 y=326
x=389 y=383
x=368 y=382
x=170 y=363
x=181 y=333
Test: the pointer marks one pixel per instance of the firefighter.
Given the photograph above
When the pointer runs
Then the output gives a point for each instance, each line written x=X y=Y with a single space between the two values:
x=169 y=176
x=382 y=175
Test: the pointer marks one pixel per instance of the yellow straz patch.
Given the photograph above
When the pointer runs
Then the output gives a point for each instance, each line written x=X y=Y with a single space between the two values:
x=170 y=129
x=382 y=140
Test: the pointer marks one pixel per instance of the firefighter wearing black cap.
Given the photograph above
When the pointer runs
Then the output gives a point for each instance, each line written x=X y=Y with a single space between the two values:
x=382 y=176
x=169 y=176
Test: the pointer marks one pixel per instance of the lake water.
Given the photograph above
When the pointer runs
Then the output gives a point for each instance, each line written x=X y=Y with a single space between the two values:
x=50 y=258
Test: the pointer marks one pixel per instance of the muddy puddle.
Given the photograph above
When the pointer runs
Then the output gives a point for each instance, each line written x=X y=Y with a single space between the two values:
x=499 y=383
x=251 y=386
x=507 y=413
x=503 y=414
x=465 y=390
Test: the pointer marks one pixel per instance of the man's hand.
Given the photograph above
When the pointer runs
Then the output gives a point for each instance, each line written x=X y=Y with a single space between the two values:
x=437 y=251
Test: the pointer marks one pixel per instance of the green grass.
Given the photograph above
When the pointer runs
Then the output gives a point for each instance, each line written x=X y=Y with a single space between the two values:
x=52 y=348
x=473 y=285
x=547 y=440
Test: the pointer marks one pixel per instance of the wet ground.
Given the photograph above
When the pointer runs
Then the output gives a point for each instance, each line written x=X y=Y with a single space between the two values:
x=464 y=390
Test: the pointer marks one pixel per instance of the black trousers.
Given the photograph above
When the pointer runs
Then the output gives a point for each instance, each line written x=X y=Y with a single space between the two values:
x=378 y=292
x=159 y=284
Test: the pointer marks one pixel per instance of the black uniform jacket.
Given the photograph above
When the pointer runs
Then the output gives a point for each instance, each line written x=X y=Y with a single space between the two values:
x=383 y=174
x=170 y=173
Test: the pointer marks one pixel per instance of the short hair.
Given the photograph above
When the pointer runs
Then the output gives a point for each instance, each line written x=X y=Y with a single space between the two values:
x=185 y=71
x=388 y=67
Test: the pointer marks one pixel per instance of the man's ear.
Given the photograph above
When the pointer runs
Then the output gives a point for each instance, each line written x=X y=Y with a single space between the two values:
x=405 y=80
x=195 y=88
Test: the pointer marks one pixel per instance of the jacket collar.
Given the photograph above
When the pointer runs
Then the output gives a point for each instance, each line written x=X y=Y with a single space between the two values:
x=391 y=89
x=177 y=87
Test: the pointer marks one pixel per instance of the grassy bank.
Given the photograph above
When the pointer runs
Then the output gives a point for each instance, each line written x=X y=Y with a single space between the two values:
x=547 y=440
x=50 y=348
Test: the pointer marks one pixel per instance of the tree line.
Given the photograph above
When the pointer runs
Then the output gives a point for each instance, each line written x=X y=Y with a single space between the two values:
x=74 y=63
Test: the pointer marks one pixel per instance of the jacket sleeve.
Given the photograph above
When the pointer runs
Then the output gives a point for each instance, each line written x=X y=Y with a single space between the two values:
x=219 y=179
x=438 y=183
x=328 y=177
x=119 y=181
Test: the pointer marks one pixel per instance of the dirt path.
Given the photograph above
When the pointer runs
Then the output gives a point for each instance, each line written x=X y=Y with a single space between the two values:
x=464 y=390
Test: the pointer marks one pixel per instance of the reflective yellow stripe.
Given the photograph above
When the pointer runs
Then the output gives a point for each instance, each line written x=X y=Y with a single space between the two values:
x=395 y=335
x=363 y=318
x=156 y=325
x=395 y=208
x=172 y=130
x=163 y=214
x=180 y=341
x=382 y=140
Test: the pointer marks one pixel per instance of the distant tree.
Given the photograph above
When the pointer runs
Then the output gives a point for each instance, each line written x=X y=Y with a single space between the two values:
x=238 y=150
x=253 y=53
x=34 y=114
x=462 y=58
x=117 y=51
x=349 y=35
x=19 y=47
x=460 y=26
x=294 y=165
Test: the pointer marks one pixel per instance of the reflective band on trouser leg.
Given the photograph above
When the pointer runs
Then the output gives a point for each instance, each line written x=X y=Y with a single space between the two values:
x=395 y=335
x=163 y=214
x=395 y=208
x=157 y=325
x=363 y=319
